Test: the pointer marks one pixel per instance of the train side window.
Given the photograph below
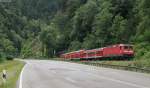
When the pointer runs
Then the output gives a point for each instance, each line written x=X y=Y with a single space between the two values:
x=99 y=52
x=120 y=47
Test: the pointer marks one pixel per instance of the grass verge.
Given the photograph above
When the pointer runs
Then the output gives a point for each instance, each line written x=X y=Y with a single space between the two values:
x=13 y=69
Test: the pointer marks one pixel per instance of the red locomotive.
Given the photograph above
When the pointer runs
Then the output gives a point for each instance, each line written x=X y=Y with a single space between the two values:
x=119 y=51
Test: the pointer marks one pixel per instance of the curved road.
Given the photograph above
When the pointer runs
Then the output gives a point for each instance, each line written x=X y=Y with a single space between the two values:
x=57 y=74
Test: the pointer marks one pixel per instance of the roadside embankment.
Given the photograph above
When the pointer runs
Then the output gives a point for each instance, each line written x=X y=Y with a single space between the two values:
x=13 y=69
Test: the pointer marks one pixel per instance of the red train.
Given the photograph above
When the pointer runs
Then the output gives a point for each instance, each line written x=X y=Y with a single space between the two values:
x=118 y=51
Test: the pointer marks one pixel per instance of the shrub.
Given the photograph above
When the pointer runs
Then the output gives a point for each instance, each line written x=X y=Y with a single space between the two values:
x=9 y=57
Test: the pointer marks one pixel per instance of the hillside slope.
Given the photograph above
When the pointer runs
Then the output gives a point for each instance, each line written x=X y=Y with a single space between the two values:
x=46 y=27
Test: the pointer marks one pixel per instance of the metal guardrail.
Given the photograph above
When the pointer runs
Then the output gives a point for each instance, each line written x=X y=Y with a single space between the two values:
x=129 y=68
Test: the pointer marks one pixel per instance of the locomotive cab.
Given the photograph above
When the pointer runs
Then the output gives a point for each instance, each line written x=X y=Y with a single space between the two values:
x=127 y=50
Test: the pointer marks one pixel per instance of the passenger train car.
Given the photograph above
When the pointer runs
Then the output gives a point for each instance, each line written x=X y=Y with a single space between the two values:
x=118 y=51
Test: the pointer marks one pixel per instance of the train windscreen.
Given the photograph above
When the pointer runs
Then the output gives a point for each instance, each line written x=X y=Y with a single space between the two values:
x=128 y=47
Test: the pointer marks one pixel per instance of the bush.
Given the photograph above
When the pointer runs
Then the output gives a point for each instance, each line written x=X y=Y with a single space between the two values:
x=142 y=63
x=146 y=55
x=142 y=51
x=9 y=57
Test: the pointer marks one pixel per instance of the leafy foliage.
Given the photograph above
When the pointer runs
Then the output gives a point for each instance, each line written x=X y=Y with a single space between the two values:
x=49 y=27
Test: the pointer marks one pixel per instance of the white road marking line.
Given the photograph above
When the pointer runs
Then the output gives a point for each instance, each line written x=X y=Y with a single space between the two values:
x=119 y=81
x=71 y=80
x=20 y=81
x=122 y=82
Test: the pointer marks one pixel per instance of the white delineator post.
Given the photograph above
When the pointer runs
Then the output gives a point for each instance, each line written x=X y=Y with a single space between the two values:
x=4 y=76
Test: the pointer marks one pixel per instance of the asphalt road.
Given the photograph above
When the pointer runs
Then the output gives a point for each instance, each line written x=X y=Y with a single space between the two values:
x=57 y=74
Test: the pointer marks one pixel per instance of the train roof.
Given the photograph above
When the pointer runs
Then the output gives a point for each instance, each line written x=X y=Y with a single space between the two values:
x=75 y=51
x=126 y=45
x=95 y=49
x=119 y=45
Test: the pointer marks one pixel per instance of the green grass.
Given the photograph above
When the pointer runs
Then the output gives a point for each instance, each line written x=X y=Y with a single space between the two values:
x=13 y=69
x=121 y=63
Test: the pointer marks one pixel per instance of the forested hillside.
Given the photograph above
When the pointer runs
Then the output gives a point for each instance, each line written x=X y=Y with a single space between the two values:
x=37 y=28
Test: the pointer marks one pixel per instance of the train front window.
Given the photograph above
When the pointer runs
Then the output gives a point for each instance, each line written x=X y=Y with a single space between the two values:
x=128 y=47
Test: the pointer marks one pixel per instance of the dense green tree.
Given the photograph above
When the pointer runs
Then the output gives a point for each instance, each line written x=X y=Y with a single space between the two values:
x=102 y=23
x=49 y=39
x=142 y=37
x=34 y=27
x=82 y=21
